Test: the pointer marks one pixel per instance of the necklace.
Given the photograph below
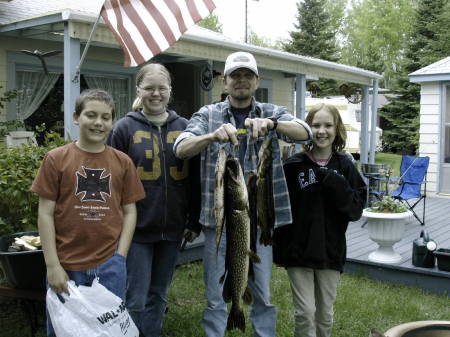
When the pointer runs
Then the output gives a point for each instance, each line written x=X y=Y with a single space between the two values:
x=320 y=162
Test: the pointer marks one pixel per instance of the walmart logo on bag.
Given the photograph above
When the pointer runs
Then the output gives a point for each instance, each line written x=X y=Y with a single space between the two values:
x=110 y=315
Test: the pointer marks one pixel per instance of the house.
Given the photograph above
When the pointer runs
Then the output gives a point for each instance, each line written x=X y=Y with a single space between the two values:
x=434 y=141
x=196 y=62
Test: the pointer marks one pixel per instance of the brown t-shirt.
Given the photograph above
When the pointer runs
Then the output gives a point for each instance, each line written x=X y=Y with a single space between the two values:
x=89 y=190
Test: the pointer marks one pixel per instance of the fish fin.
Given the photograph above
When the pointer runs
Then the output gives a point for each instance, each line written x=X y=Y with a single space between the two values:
x=226 y=293
x=251 y=272
x=236 y=319
x=222 y=278
x=247 y=296
x=253 y=257
x=266 y=238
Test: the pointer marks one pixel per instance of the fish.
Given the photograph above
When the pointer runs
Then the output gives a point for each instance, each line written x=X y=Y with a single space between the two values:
x=219 y=194
x=264 y=188
x=238 y=252
x=251 y=190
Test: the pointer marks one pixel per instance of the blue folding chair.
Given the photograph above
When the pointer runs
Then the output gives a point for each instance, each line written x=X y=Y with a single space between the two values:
x=413 y=174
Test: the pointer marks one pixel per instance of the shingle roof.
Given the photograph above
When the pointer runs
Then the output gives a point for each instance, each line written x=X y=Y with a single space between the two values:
x=437 y=68
x=18 y=10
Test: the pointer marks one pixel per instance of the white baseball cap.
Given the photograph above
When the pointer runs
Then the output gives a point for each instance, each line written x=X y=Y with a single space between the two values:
x=238 y=60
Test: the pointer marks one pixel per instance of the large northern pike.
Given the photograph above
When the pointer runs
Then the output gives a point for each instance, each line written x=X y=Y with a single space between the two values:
x=238 y=253
x=264 y=189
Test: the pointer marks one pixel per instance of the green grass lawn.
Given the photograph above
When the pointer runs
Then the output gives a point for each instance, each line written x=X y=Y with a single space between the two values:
x=391 y=159
x=361 y=304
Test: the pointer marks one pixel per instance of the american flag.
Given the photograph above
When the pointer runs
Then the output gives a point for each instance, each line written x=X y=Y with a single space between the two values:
x=145 y=28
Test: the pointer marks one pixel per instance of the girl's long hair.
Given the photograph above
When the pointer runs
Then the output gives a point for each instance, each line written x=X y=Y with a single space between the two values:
x=341 y=133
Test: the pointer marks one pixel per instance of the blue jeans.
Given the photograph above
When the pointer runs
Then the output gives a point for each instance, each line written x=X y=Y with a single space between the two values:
x=262 y=315
x=150 y=268
x=111 y=274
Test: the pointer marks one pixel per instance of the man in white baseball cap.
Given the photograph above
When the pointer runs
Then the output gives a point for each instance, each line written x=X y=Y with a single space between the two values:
x=206 y=131
x=238 y=60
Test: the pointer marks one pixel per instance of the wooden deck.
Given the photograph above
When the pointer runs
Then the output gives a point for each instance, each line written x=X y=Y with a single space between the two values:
x=437 y=223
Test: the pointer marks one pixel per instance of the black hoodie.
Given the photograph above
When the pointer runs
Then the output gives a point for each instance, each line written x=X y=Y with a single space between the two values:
x=323 y=201
x=172 y=186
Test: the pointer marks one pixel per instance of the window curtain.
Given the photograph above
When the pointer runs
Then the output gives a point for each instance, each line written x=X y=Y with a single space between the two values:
x=116 y=87
x=32 y=88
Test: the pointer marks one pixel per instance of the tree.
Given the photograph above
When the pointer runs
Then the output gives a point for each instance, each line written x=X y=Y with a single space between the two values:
x=375 y=35
x=262 y=41
x=336 y=11
x=314 y=37
x=402 y=114
x=440 y=46
x=211 y=22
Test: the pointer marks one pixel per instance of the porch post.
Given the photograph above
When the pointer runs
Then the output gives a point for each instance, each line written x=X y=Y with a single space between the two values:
x=364 y=125
x=300 y=93
x=71 y=88
x=373 y=123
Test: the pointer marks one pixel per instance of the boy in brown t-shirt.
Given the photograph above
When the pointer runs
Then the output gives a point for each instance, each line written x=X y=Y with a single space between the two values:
x=87 y=193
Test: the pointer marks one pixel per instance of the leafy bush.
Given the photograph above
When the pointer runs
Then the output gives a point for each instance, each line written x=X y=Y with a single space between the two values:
x=7 y=126
x=387 y=205
x=18 y=167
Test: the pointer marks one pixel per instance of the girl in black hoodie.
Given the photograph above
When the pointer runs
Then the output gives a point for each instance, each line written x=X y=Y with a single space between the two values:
x=326 y=192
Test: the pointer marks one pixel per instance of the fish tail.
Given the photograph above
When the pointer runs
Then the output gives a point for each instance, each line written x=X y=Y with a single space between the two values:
x=236 y=318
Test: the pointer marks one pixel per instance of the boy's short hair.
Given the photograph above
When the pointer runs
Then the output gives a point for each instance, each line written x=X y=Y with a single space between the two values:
x=93 y=95
x=341 y=133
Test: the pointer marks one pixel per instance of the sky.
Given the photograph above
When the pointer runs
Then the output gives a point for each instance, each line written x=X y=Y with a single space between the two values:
x=272 y=19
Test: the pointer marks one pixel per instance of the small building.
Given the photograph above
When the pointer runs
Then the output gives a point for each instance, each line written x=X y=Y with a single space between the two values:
x=435 y=122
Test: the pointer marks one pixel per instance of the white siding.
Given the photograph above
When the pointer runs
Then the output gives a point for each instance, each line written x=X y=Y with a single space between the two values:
x=429 y=119
x=429 y=88
x=429 y=139
x=429 y=130
x=428 y=149
x=429 y=109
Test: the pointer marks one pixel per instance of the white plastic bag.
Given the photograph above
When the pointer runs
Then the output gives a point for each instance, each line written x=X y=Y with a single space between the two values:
x=89 y=311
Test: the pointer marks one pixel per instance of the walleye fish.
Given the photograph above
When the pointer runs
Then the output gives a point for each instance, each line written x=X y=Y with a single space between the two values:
x=238 y=253
x=219 y=194
x=264 y=188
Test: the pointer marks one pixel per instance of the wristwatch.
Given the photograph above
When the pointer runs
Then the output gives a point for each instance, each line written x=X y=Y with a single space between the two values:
x=275 y=122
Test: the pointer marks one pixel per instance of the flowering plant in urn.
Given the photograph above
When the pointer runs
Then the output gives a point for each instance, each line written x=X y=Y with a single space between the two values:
x=386 y=220
x=387 y=204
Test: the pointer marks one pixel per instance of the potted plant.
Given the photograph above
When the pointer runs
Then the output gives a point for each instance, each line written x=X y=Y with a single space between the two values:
x=386 y=220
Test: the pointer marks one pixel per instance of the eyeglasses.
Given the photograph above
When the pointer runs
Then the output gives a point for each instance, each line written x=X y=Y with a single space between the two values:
x=152 y=90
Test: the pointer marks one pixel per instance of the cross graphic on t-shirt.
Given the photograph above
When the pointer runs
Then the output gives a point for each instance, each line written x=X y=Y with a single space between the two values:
x=93 y=185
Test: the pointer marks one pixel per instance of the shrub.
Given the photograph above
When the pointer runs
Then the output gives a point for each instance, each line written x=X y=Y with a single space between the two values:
x=18 y=167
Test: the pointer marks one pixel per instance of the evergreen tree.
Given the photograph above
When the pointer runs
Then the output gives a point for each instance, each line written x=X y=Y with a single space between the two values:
x=440 y=45
x=314 y=37
x=401 y=125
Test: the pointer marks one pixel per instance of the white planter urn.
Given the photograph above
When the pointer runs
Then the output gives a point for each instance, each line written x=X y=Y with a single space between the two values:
x=386 y=229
